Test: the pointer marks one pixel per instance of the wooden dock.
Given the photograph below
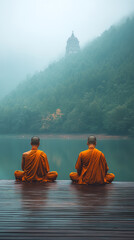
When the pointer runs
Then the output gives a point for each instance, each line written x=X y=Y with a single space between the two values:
x=62 y=210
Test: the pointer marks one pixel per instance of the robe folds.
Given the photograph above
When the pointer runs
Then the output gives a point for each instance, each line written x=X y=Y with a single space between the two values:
x=92 y=168
x=35 y=168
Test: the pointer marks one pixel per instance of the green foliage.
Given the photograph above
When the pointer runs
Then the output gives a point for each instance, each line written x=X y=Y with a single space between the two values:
x=92 y=90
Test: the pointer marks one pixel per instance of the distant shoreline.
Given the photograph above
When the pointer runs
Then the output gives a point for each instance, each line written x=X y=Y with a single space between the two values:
x=67 y=136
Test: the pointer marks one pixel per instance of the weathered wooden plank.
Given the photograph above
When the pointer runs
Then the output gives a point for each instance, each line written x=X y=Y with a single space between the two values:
x=65 y=211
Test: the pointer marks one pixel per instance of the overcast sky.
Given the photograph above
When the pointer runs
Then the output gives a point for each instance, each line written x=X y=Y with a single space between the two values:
x=33 y=33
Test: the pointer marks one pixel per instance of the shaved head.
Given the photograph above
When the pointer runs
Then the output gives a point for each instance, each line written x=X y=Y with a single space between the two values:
x=35 y=141
x=91 y=140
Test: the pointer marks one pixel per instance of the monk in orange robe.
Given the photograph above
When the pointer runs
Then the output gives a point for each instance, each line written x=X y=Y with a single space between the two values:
x=35 y=165
x=91 y=166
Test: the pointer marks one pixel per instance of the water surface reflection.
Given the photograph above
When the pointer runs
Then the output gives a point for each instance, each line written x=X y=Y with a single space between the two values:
x=62 y=155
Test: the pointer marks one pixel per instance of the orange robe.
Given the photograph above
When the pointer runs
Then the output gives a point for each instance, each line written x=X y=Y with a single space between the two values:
x=91 y=168
x=36 y=168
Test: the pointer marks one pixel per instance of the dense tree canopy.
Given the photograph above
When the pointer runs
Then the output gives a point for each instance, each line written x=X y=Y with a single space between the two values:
x=91 y=91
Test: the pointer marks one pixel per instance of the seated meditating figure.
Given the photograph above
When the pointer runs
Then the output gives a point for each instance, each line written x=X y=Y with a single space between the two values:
x=35 y=165
x=91 y=166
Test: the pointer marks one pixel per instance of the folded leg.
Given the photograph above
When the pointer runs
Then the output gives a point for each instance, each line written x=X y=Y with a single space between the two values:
x=74 y=176
x=51 y=176
x=19 y=174
x=109 y=177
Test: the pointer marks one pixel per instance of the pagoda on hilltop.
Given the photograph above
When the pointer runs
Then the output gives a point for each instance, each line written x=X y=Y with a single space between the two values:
x=72 y=45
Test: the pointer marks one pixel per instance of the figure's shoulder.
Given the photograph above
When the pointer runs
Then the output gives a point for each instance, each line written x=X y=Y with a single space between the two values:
x=99 y=152
x=42 y=153
x=26 y=153
x=84 y=152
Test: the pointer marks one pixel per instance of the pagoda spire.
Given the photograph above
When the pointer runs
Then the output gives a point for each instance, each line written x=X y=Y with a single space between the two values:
x=72 y=45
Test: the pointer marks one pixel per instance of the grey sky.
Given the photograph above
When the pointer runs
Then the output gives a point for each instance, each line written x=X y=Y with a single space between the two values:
x=34 y=32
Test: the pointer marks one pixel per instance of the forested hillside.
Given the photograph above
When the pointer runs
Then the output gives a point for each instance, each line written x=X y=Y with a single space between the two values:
x=88 y=92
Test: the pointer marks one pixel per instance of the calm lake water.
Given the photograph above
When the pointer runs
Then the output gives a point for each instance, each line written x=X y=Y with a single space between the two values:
x=62 y=155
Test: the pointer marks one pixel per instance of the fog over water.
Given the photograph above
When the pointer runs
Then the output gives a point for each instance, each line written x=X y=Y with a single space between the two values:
x=34 y=32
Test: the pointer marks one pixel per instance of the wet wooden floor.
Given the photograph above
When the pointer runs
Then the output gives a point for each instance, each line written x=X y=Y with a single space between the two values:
x=62 y=210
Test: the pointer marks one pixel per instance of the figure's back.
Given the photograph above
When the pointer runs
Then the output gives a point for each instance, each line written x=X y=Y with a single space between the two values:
x=36 y=165
x=96 y=169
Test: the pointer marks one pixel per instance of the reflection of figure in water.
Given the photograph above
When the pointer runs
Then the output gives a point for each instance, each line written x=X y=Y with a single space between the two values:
x=33 y=196
x=89 y=197
x=92 y=204
x=91 y=166
x=33 y=200
x=35 y=165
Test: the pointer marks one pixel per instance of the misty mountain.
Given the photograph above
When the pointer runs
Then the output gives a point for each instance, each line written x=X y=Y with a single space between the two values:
x=88 y=92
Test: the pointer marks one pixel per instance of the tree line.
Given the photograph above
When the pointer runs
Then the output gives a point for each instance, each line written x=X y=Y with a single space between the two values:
x=91 y=91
